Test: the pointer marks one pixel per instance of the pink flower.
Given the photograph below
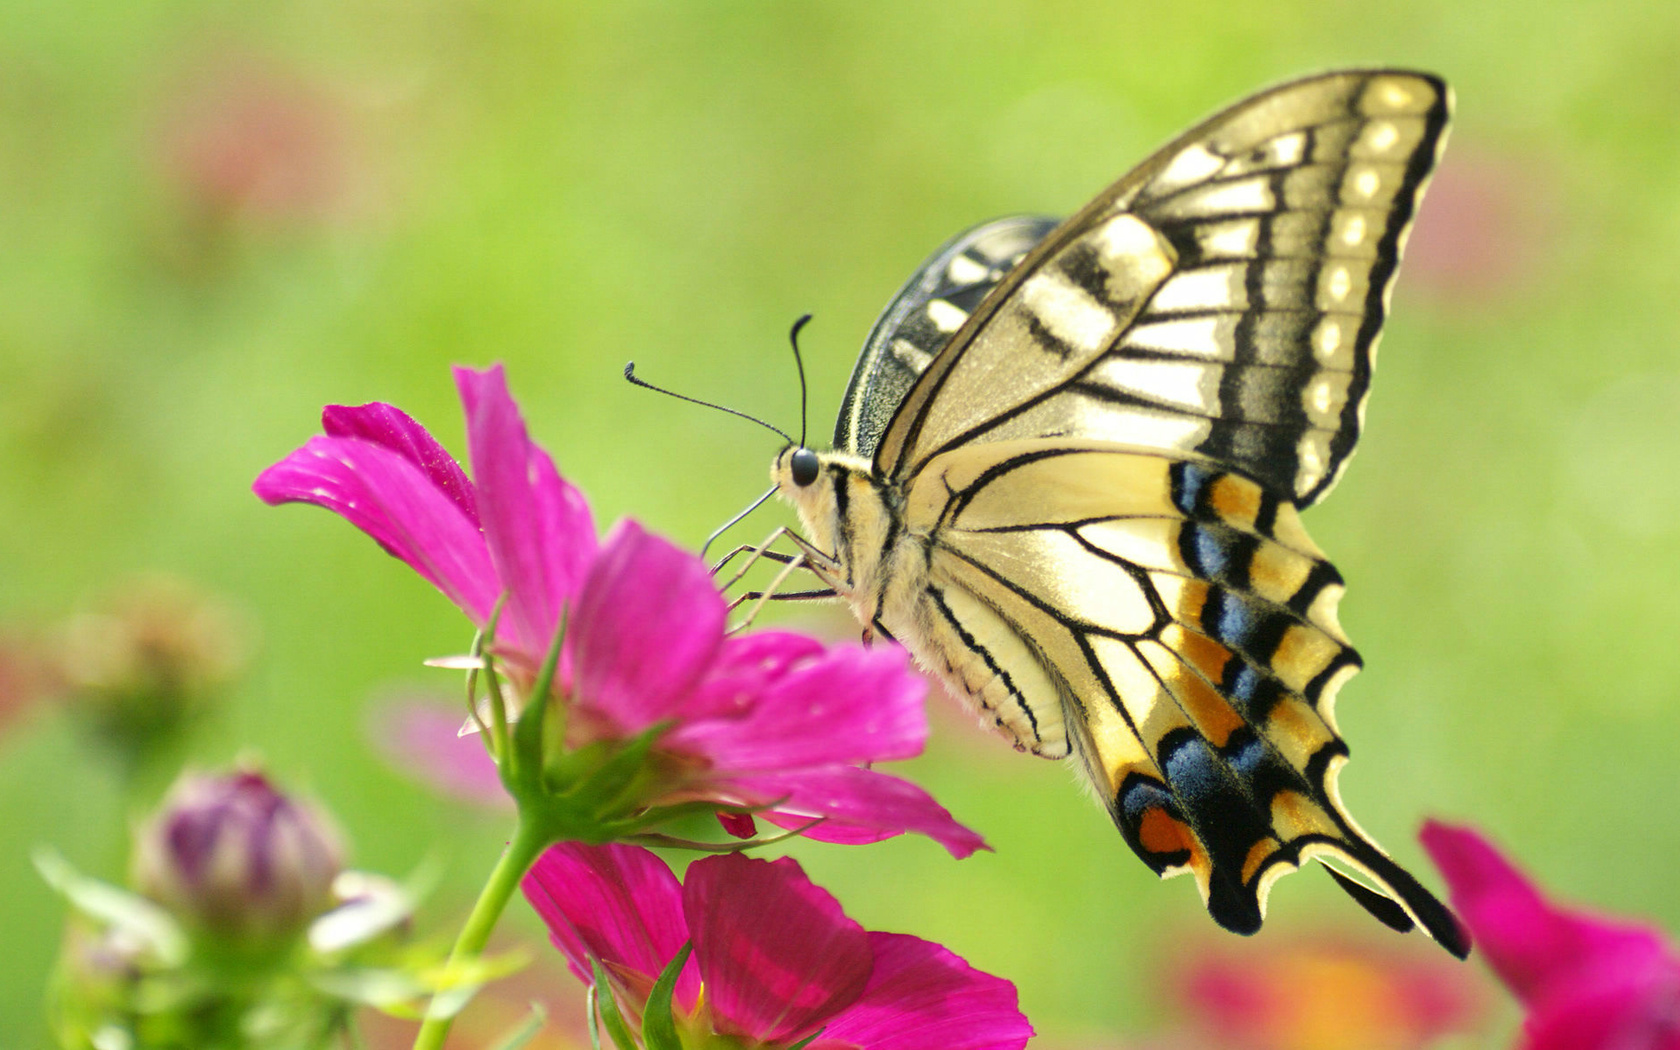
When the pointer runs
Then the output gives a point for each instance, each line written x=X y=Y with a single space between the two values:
x=772 y=720
x=775 y=958
x=1589 y=983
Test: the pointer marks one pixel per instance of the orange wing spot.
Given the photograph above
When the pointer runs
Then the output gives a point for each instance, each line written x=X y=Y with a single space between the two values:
x=1294 y=815
x=1160 y=833
x=1296 y=730
x=1212 y=713
x=1257 y=855
x=1276 y=572
x=1236 y=500
x=1302 y=653
x=1198 y=650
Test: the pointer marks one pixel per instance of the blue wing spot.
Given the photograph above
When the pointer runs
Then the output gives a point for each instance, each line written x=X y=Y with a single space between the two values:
x=1242 y=624
x=1224 y=817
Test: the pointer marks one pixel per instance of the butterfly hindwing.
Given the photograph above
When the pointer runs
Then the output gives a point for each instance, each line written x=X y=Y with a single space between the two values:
x=1263 y=245
x=1171 y=623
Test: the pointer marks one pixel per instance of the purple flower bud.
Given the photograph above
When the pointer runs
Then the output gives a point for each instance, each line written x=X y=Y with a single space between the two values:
x=233 y=857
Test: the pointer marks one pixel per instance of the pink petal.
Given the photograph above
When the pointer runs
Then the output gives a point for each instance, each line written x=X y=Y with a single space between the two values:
x=778 y=955
x=424 y=741
x=619 y=904
x=744 y=669
x=392 y=500
x=859 y=805
x=845 y=705
x=539 y=529
x=738 y=825
x=390 y=427
x=1538 y=950
x=920 y=995
x=1632 y=1016
x=647 y=626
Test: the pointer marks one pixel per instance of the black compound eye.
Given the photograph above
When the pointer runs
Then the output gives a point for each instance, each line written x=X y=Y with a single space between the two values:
x=805 y=466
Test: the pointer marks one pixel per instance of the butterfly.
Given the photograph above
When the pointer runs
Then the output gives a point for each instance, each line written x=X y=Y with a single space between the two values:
x=1068 y=469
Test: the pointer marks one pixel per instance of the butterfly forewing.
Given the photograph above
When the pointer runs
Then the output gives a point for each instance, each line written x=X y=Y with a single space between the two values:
x=1264 y=244
x=921 y=319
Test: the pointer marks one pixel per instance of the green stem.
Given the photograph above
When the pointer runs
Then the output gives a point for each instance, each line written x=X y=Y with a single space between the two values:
x=529 y=840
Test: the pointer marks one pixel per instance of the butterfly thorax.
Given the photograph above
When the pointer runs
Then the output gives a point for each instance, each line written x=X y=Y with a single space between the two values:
x=850 y=522
x=870 y=540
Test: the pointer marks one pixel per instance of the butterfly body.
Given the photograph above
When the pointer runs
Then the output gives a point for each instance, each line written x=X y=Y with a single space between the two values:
x=1069 y=466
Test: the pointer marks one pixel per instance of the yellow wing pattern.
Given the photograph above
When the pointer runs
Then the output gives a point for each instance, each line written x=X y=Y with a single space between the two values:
x=1184 y=619
x=1224 y=298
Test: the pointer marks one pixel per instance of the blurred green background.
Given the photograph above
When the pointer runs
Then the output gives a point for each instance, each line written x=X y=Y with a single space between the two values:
x=216 y=217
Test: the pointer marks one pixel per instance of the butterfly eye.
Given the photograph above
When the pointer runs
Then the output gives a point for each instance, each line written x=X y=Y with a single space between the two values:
x=805 y=466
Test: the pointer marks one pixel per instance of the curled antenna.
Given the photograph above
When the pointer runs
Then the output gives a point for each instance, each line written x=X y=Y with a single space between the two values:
x=799 y=362
x=732 y=522
x=630 y=374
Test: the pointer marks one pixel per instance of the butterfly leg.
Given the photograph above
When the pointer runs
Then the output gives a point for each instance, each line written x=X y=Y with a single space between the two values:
x=759 y=552
x=809 y=557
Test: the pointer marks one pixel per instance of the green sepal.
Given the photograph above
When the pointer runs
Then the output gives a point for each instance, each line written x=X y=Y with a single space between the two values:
x=140 y=918
x=659 y=1027
x=528 y=735
x=808 y=1040
x=617 y=1030
x=589 y=1009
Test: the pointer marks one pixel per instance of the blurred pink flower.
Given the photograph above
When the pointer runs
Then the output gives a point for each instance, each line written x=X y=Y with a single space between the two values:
x=775 y=958
x=1589 y=983
x=1487 y=228
x=421 y=738
x=245 y=137
x=1325 y=995
x=770 y=720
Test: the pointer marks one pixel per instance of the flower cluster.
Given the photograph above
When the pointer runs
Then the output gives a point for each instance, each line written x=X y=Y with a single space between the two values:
x=775 y=961
x=617 y=700
x=774 y=722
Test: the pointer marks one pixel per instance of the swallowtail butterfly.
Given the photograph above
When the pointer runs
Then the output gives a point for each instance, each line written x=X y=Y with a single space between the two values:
x=1068 y=468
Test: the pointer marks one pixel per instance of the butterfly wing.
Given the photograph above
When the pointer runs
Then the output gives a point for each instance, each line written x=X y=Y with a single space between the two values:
x=1224 y=298
x=921 y=319
x=1173 y=624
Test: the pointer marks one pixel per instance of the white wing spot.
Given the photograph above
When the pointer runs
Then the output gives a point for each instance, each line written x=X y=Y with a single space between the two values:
x=1353 y=230
x=1381 y=136
x=1196 y=163
x=1253 y=194
x=1068 y=311
x=1339 y=284
x=1210 y=288
x=1289 y=149
x=964 y=270
x=1189 y=384
x=1320 y=395
x=1328 y=339
x=911 y=355
x=1236 y=238
x=1396 y=97
x=945 y=316
x=1366 y=183
x=1192 y=335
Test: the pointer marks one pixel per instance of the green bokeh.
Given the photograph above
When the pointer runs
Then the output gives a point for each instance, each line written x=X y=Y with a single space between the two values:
x=565 y=187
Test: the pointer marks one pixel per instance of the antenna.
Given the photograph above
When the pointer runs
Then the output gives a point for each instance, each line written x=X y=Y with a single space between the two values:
x=799 y=362
x=630 y=374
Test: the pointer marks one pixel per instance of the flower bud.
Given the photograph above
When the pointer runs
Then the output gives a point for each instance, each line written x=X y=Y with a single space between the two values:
x=234 y=858
x=154 y=657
